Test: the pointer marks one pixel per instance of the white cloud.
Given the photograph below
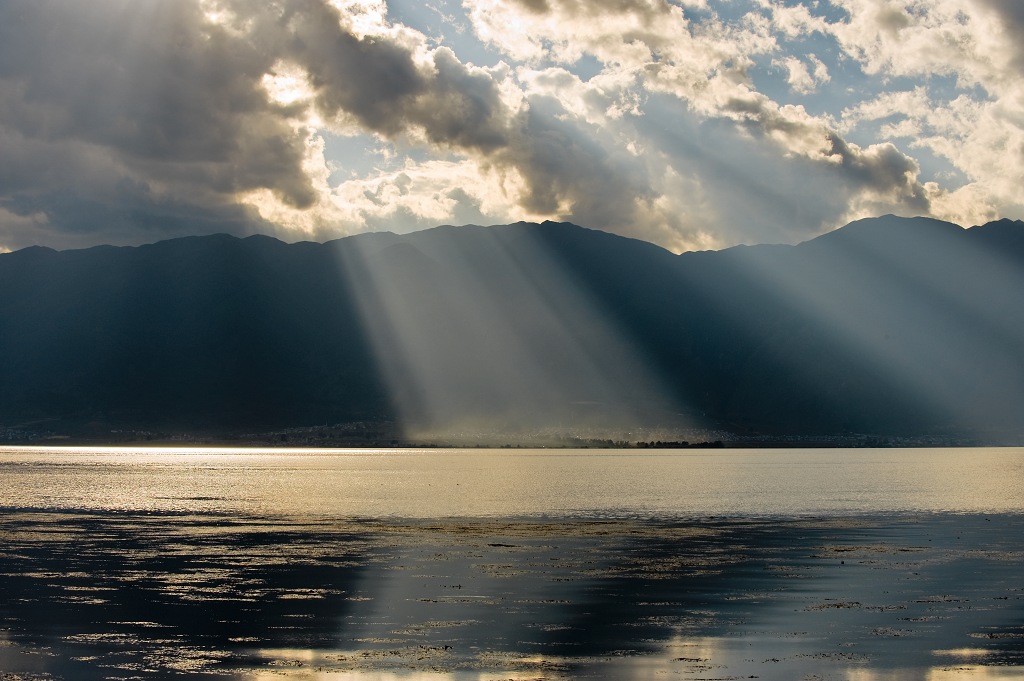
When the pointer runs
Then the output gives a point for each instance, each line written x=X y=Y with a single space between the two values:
x=928 y=37
x=983 y=139
x=905 y=103
x=429 y=193
x=968 y=205
x=821 y=74
x=800 y=79
x=653 y=47
x=979 y=128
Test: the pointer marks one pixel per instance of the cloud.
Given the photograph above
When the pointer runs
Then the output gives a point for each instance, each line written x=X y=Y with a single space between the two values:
x=557 y=164
x=975 y=44
x=930 y=37
x=979 y=126
x=750 y=193
x=906 y=104
x=127 y=121
x=654 y=49
x=423 y=195
x=389 y=84
x=193 y=126
x=140 y=112
x=1009 y=25
x=801 y=79
x=568 y=172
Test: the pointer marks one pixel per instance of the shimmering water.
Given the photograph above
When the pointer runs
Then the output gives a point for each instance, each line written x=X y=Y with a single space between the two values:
x=522 y=564
x=501 y=483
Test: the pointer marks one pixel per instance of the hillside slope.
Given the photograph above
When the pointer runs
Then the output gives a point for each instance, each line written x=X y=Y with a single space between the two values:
x=886 y=326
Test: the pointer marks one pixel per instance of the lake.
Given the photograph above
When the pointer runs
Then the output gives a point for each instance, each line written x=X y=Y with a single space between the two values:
x=511 y=564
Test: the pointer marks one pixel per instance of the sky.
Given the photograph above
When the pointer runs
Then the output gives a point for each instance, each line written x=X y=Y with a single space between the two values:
x=693 y=124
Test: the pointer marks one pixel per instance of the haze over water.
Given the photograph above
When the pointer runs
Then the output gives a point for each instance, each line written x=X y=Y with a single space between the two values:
x=514 y=564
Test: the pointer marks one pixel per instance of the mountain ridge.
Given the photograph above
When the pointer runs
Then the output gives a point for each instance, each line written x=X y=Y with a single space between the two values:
x=891 y=326
x=1013 y=229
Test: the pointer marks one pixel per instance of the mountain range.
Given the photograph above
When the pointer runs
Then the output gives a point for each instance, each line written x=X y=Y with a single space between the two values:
x=888 y=326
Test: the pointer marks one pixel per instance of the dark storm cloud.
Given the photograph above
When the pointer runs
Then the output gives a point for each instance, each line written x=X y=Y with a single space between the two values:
x=140 y=78
x=379 y=83
x=377 y=79
x=369 y=78
x=566 y=167
x=105 y=95
x=142 y=112
x=883 y=169
x=130 y=214
x=763 y=116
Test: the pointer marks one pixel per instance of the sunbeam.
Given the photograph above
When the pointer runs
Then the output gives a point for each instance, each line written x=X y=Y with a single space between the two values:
x=892 y=298
x=481 y=331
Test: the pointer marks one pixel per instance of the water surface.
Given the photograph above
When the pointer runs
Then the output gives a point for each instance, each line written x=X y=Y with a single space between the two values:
x=435 y=483
x=523 y=564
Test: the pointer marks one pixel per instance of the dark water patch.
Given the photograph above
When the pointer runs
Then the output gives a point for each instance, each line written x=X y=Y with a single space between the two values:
x=151 y=593
x=90 y=595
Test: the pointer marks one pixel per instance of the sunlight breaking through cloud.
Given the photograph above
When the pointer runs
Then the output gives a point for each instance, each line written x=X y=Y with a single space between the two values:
x=131 y=122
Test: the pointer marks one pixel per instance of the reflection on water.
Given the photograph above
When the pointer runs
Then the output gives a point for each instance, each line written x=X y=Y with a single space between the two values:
x=502 y=483
x=117 y=595
x=91 y=588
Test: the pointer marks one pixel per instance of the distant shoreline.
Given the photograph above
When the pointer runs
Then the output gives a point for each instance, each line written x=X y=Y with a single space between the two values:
x=793 y=442
x=372 y=434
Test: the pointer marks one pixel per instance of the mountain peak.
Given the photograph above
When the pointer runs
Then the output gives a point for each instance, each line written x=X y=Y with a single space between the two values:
x=898 y=237
x=890 y=228
x=32 y=252
x=1006 y=235
x=1004 y=223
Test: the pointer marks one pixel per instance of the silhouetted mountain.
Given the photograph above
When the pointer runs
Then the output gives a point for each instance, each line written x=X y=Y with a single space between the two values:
x=887 y=326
